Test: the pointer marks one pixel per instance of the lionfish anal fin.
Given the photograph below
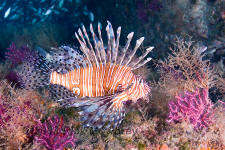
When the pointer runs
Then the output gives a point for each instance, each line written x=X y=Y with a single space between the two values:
x=99 y=112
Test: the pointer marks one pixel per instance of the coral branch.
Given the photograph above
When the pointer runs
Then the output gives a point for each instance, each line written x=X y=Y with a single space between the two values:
x=194 y=107
x=53 y=135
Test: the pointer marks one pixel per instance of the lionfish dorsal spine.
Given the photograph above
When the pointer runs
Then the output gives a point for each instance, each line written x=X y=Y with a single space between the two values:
x=109 y=51
x=138 y=43
x=129 y=38
x=94 y=58
x=102 y=49
x=96 y=42
x=142 y=64
x=81 y=35
x=98 y=54
x=136 y=64
x=112 y=42
x=83 y=47
x=117 y=42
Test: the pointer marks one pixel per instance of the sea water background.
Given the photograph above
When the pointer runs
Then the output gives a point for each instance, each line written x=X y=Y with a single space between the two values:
x=48 y=23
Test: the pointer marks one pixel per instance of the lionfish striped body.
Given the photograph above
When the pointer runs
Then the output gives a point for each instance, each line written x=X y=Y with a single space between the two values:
x=98 y=82
x=94 y=81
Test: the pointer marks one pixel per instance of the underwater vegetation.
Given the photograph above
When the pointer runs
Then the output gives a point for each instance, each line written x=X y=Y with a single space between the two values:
x=189 y=121
x=52 y=134
x=20 y=109
x=194 y=107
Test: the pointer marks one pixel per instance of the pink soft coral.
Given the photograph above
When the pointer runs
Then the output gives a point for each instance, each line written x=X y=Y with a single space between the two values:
x=194 y=107
x=53 y=135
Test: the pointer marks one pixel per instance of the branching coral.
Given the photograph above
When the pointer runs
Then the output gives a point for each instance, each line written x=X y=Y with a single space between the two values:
x=221 y=84
x=194 y=107
x=185 y=135
x=53 y=135
x=184 y=70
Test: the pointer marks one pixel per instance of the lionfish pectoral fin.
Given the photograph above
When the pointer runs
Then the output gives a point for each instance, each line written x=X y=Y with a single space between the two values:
x=66 y=58
x=35 y=73
x=98 y=112
x=58 y=92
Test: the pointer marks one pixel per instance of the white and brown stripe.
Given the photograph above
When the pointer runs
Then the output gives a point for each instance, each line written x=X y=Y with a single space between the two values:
x=94 y=81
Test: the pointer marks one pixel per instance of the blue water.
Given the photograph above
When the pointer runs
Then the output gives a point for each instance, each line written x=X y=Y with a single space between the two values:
x=48 y=23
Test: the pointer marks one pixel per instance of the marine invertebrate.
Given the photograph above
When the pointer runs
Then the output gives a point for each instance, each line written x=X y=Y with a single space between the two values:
x=15 y=121
x=194 y=107
x=98 y=82
x=53 y=135
x=185 y=70
x=185 y=134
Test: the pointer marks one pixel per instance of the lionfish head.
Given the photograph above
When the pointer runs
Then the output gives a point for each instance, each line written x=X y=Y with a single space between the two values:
x=143 y=89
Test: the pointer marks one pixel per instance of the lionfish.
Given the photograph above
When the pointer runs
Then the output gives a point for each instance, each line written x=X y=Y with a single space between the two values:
x=99 y=82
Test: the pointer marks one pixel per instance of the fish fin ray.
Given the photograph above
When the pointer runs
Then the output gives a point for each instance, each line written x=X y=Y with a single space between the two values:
x=66 y=58
x=98 y=54
x=58 y=92
x=137 y=63
x=35 y=73
x=98 y=112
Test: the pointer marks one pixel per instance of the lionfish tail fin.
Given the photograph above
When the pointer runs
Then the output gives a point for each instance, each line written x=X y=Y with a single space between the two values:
x=97 y=54
x=35 y=74
x=99 y=112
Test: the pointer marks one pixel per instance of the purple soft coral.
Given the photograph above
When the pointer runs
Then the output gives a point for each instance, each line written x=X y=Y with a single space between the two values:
x=194 y=107
x=19 y=55
x=53 y=135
